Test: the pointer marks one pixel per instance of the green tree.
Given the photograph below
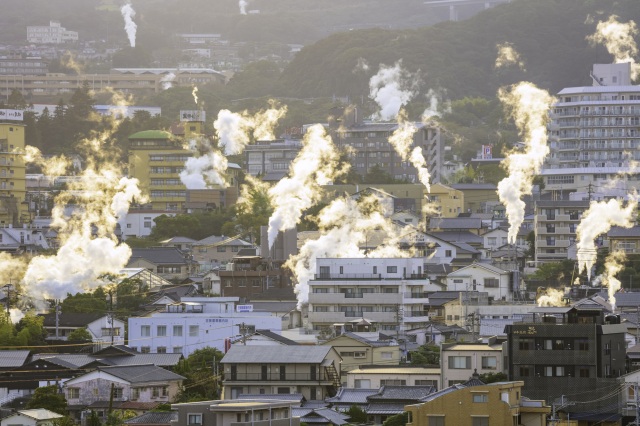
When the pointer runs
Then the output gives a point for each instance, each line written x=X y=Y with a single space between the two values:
x=493 y=377
x=130 y=294
x=172 y=226
x=561 y=273
x=255 y=212
x=397 y=420
x=356 y=414
x=426 y=355
x=16 y=100
x=84 y=303
x=63 y=421
x=80 y=335
x=50 y=398
x=377 y=174
x=198 y=368
x=32 y=326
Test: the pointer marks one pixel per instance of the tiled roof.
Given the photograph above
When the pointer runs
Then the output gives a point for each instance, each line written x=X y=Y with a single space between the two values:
x=160 y=360
x=179 y=240
x=402 y=393
x=154 y=418
x=11 y=358
x=619 y=232
x=333 y=416
x=67 y=360
x=456 y=223
x=300 y=354
x=71 y=319
x=376 y=408
x=457 y=236
x=270 y=396
x=275 y=336
x=141 y=373
x=352 y=396
x=158 y=255
x=227 y=241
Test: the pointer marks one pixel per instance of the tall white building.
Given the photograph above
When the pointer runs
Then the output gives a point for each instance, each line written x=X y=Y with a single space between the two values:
x=388 y=292
x=196 y=323
x=53 y=34
x=595 y=132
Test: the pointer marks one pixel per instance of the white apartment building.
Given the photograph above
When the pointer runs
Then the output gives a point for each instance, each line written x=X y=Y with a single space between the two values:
x=139 y=223
x=196 y=323
x=53 y=34
x=595 y=132
x=555 y=225
x=388 y=292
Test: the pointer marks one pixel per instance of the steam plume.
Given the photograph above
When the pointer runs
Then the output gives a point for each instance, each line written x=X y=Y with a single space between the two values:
x=361 y=66
x=315 y=165
x=391 y=88
x=401 y=140
x=129 y=26
x=243 y=7
x=598 y=220
x=551 y=297
x=618 y=38
x=204 y=170
x=344 y=225
x=529 y=106
x=507 y=56
x=194 y=93
x=613 y=264
x=52 y=167
x=167 y=81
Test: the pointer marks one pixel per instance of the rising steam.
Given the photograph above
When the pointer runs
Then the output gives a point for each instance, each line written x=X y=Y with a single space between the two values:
x=129 y=26
x=344 y=226
x=315 y=165
x=401 y=140
x=243 y=6
x=391 y=88
x=52 y=167
x=194 y=93
x=619 y=41
x=598 y=220
x=208 y=167
x=551 y=297
x=508 y=56
x=167 y=81
x=528 y=106
x=613 y=264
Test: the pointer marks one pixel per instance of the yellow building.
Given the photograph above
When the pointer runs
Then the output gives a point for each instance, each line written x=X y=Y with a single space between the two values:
x=495 y=404
x=13 y=209
x=449 y=201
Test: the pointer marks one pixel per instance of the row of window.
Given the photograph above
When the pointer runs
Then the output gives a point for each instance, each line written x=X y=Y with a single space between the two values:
x=464 y=362
x=555 y=371
x=526 y=344
x=118 y=393
x=435 y=420
x=161 y=331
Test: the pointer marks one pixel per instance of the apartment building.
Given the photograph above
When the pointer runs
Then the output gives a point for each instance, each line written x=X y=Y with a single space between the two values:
x=195 y=323
x=461 y=360
x=55 y=33
x=390 y=292
x=369 y=143
x=555 y=225
x=13 y=209
x=248 y=412
x=594 y=131
x=23 y=66
x=563 y=350
x=271 y=159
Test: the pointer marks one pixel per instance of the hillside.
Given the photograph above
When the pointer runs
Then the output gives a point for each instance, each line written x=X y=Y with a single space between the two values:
x=460 y=56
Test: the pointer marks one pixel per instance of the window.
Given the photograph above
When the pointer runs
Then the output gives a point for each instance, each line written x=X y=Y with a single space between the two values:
x=155 y=392
x=162 y=350
x=525 y=371
x=135 y=393
x=117 y=393
x=359 y=354
x=193 y=330
x=447 y=253
x=433 y=383
x=459 y=362
x=480 y=397
x=73 y=393
x=583 y=345
x=489 y=362
x=110 y=331
x=480 y=421
x=391 y=382
x=363 y=384
x=221 y=249
x=194 y=419
x=177 y=330
x=525 y=344
x=161 y=330
x=392 y=269
x=491 y=283
x=320 y=309
x=145 y=349
x=435 y=421
x=145 y=330
x=491 y=241
x=386 y=355
x=583 y=372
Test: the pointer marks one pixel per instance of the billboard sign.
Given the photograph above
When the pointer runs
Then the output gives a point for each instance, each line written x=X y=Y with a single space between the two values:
x=12 y=114
x=244 y=308
x=192 y=115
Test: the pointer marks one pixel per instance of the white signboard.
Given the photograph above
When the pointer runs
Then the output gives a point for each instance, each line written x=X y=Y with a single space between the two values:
x=192 y=115
x=12 y=114
x=244 y=308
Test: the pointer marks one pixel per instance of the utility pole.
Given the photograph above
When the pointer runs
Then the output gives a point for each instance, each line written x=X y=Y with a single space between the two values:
x=590 y=190
x=57 y=318
x=243 y=332
x=8 y=298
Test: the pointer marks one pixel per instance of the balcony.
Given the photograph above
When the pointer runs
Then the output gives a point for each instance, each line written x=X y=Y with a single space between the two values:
x=367 y=277
x=277 y=377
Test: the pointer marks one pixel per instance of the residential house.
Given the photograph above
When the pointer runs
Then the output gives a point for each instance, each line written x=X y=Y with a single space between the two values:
x=10 y=360
x=456 y=224
x=356 y=350
x=168 y=262
x=153 y=418
x=478 y=197
x=253 y=277
x=139 y=383
x=562 y=349
x=386 y=201
x=629 y=395
x=437 y=333
x=320 y=416
x=23 y=239
x=236 y=413
x=34 y=417
x=105 y=330
x=626 y=240
x=195 y=323
x=375 y=377
x=139 y=223
x=461 y=360
x=313 y=371
x=369 y=288
x=150 y=280
x=452 y=307
x=449 y=201
x=477 y=404
x=483 y=277
x=265 y=338
x=214 y=251
x=348 y=397
x=184 y=244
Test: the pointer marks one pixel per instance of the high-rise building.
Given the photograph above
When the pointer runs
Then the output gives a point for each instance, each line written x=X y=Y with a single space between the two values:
x=13 y=209
x=595 y=132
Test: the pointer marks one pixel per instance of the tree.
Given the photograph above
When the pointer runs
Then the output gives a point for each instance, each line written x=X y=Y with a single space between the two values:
x=397 y=420
x=493 y=377
x=377 y=174
x=85 y=303
x=255 y=211
x=356 y=414
x=16 y=100
x=130 y=294
x=426 y=355
x=33 y=328
x=49 y=398
x=559 y=274
x=80 y=335
x=198 y=368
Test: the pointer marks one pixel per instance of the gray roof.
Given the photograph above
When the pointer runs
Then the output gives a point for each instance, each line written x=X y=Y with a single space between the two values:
x=136 y=374
x=11 y=358
x=486 y=266
x=463 y=186
x=333 y=416
x=275 y=336
x=442 y=392
x=456 y=223
x=179 y=240
x=272 y=306
x=67 y=360
x=620 y=232
x=160 y=360
x=352 y=396
x=276 y=354
x=401 y=393
x=376 y=408
x=154 y=418
x=298 y=397
x=364 y=340
x=222 y=240
x=159 y=255
x=465 y=247
x=458 y=237
x=71 y=319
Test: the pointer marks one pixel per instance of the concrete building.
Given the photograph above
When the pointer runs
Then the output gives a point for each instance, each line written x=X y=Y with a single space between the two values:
x=478 y=197
x=247 y=412
x=104 y=329
x=356 y=350
x=195 y=323
x=271 y=159
x=35 y=417
x=461 y=360
x=139 y=223
x=497 y=283
x=555 y=225
x=371 y=289
x=53 y=34
x=313 y=371
x=23 y=66
x=253 y=277
x=402 y=375
x=217 y=250
x=13 y=209
x=370 y=144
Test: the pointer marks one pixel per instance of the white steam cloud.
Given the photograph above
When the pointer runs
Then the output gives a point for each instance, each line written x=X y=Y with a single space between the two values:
x=52 y=167
x=194 y=93
x=613 y=264
x=344 y=226
x=619 y=40
x=528 y=106
x=129 y=26
x=551 y=297
x=203 y=171
x=315 y=165
x=167 y=81
x=243 y=6
x=391 y=88
x=598 y=220
x=401 y=140
x=361 y=66
x=508 y=56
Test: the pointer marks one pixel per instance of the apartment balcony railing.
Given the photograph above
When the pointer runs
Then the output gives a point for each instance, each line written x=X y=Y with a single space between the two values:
x=369 y=277
x=276 y=377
